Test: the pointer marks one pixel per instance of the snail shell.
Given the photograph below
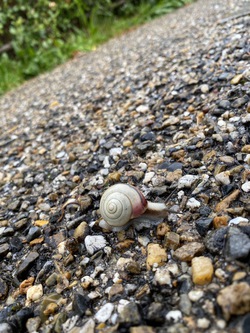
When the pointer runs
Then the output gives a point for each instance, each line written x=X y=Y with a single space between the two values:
x=120 y=204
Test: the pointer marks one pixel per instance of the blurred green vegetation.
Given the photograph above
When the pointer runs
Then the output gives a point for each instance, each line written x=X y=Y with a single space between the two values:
x=37 y=35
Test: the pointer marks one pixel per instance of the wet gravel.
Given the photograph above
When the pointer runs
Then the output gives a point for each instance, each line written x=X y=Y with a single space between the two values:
x=166 y=108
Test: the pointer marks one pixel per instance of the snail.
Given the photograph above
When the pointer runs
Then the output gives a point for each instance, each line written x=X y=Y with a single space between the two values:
x=123 y=204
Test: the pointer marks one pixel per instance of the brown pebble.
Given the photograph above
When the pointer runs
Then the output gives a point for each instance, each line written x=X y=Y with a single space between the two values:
x=224 y=204
x=220 y=221
x=188 y=251
x=234 y=299
x=162 y=229
x=117 y=288
x=246 y=149
x=156 y=255
x=171 y=240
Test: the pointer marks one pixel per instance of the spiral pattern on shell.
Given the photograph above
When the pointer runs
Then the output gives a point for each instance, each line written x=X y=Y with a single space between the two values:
x=121 y=203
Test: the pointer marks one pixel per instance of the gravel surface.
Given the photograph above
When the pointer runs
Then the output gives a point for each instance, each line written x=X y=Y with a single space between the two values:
x=166 y=108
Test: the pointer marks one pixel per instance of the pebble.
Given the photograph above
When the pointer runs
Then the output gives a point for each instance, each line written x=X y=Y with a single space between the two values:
x=215 y=240
x=142 y=329
x=225 y=203
x=94 y=243
x=187 y=181
x=195 y=295
x=185 y=304
x=238 y=220
x=155 y=255
x=202 y=270
x=5 y=328
x=237 y=244
x=203 y=323
x=234 y=299
x=129 y=313
x=171 y=240
x=34 y=293
x=193 y=203
x=203 y=225
x=104 y=313
x=4 y=249
x=188 y=251
x=27 y=263
x=162 y=276
x=174 y=316
x=246 y=186
x=220 y=221
x=80 y=304
x=223 y=177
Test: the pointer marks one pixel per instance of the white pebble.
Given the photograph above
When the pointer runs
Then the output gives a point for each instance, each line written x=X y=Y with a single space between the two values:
x=106 y=163
x=246 y=186
x=142 y=108
x=34 y=293
x=203 y=323
x=143 y=166
x=223 y=177
x=187 y=181
x=162 y=276
x=94 y=243
x=237 y=220
x=174 y=315
x=115 y=151
x=193 y=203
x=148 y=177
x=104 y=313
x=195 y=295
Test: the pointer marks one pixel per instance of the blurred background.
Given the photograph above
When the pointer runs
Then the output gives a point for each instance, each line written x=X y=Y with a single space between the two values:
x=37 y=35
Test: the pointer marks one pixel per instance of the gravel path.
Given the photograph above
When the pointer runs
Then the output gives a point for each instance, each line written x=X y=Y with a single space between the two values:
x=166 y=108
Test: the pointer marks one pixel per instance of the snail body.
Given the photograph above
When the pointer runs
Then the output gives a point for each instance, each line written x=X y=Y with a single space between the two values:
x=123 y=204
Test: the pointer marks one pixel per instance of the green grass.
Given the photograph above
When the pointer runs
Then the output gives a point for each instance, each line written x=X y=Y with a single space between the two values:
x=14 y=71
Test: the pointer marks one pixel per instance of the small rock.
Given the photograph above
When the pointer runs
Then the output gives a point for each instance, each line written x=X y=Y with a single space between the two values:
x=26 y=263
x=227 y=201
x=80 y=304
x=81 y=231
x=195 y=295
x=156 y=255
x=223 y=177
x=203 y=323
x=215 y=240
x=202 y=270
x=162 y=276
x=246 y=324
x=246 y=186
x=171 y=240
x=185 y=304
x=33 y=233
x=104 y=313
x=234 y=299
x=237 y=220
x=203 y=225
x=94 y=243
x=220 y=221
x=5 y=328
x=174 y=316
x=187 y=181
x=237 y=245
x=148 y=177
x=246 y=149
x=116 y=289
x=129 y=314
x=204 y=88
x=34 y=293
x=33 y=324
x=188 y=251
x=193 y=203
